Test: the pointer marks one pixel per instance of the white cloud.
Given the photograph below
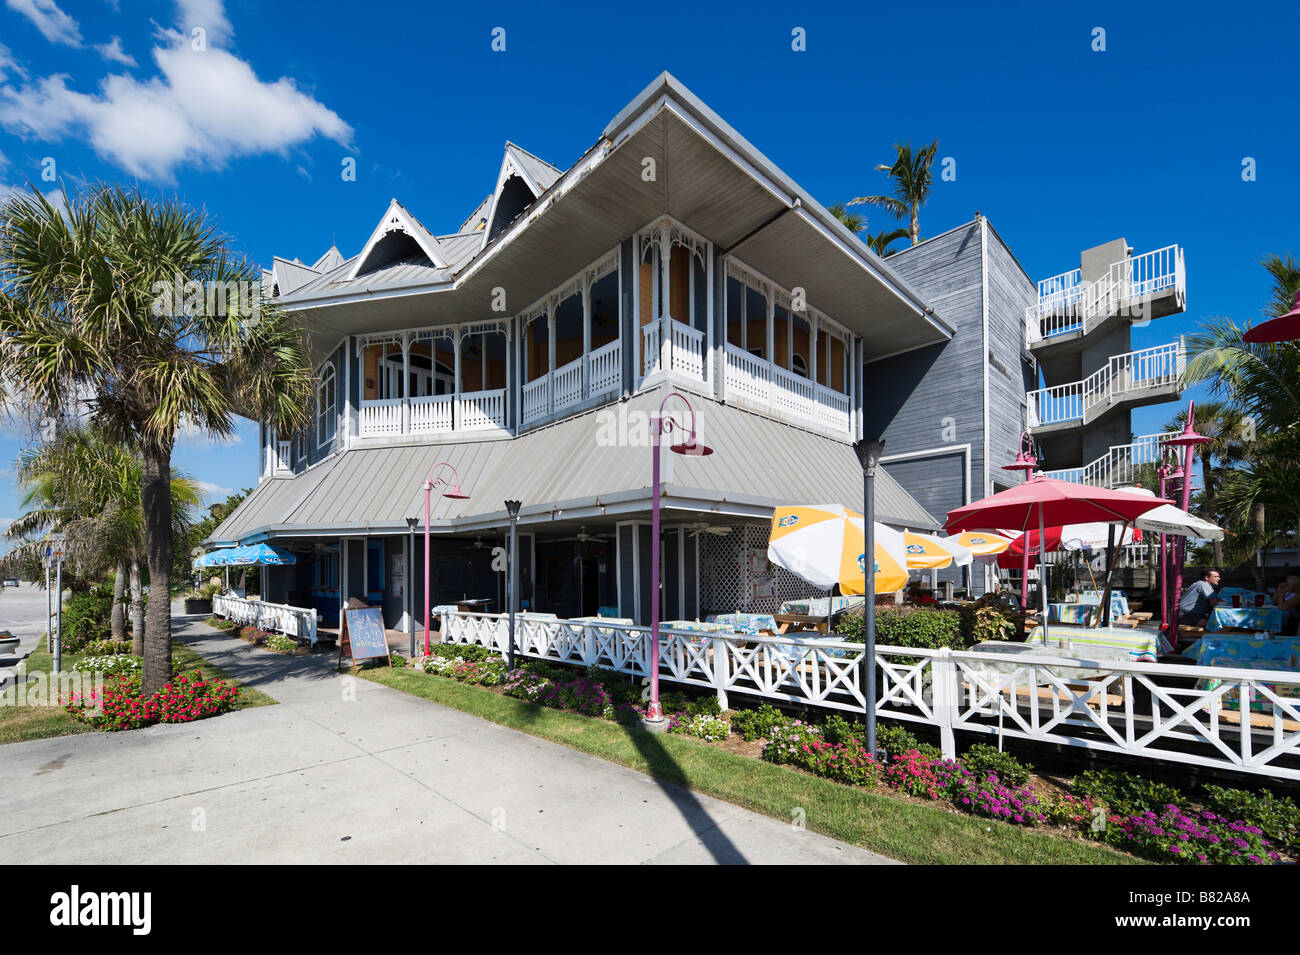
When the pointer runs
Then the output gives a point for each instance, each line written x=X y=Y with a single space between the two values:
x=205 y=108
x=112 y=52
x=9 y=65
x=214 y=492
x=208 y=15
x=55 y=25
x=189 y=435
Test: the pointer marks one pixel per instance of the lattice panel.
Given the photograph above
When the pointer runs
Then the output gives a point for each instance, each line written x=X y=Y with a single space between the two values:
x=723 y=580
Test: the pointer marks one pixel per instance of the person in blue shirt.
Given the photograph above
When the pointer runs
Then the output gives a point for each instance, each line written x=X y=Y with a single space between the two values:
x=1194 y=609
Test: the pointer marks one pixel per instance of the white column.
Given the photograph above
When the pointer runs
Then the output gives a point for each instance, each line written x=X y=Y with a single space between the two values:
x=770 y=350
x=665 y=308
x=406 y=383
x=550 y=356
x=455 y=390
x=586 y=333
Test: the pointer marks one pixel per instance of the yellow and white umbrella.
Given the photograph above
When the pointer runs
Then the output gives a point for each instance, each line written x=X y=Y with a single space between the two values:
x=822 y=543
x=983 y=543
x=927 y=552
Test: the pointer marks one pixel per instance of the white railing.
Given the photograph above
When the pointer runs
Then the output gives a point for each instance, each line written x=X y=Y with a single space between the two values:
x=682 y=350
x=1067 y=304
x=651 y=349
x=481 y=410
x=296 y=622
x=535 y=403
x=568 y=385
x=796 y=398
x=381 y=418
x=687 y=350
x=1122 y=464
x=606 y=375
x=1157 y=367
x=1171 y=713
x=430 y=413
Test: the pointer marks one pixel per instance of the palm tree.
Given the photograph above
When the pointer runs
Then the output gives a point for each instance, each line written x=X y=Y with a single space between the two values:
x=912 y=179
x=88 y=487
x=87 y=321
x=1228 y=434
x=852 y=220
x=881 y=240
x=1286 y=282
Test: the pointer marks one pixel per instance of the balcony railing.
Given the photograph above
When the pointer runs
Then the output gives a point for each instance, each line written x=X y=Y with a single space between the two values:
x=434 y=414
x=564 y=388
x=791 y=395
x=1121 y=377
x=606 y=376
x=1120 y=465
x=1067 y=304
x=681 y=351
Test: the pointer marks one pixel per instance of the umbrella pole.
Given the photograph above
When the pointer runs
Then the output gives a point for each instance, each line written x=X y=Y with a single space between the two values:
x=1042 y=571
x=1104 y=616
x=1024 y=585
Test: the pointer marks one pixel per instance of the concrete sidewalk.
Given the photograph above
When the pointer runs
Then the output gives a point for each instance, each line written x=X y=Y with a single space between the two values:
x=348 y=771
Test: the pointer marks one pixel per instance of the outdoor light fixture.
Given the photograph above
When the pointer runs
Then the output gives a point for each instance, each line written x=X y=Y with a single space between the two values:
x=456 y=494
x=512 y=596
x=662 y=424
x=1188 y=441
x=411 y=524
x=1026 y=460
x=869 y=454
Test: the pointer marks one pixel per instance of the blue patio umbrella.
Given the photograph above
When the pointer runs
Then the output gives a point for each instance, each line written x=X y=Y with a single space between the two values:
x=261 y=554
x=216 y=558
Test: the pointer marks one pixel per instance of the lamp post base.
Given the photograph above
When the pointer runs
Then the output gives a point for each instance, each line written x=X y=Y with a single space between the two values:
x=652 y=725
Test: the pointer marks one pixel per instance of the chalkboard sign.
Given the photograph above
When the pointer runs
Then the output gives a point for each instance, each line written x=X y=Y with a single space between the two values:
x=363 y=636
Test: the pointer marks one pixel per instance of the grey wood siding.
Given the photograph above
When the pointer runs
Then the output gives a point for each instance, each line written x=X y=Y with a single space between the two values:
x=933 y=397
x=1010 y=292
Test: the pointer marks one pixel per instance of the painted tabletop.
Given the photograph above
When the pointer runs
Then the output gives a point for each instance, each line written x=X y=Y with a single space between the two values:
x=1270 y=619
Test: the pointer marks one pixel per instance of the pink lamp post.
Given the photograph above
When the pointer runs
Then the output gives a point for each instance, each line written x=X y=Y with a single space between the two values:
x=663 y=424
x=1168 y=473
x=1188 y=441
x=1026 y=463
x=456 y=494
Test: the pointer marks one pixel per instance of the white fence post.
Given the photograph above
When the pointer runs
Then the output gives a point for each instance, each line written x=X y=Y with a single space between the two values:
x=720 y=670
x=943 y=675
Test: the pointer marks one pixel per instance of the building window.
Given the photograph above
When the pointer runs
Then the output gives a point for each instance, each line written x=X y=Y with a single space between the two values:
x=799 y=366
x=325 y=398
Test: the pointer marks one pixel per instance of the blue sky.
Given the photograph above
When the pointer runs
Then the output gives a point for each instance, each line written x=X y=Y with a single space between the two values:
x=1061 y=146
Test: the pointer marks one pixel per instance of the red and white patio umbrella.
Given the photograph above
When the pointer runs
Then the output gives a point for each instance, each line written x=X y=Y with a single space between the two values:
x=1042 y=502
x=1284 y=328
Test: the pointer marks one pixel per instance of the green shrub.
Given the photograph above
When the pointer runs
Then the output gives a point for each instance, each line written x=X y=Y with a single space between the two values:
x=982 y=759
x=105 y=647
x=702 y=726
x=760 y=723
x=987 y=620
x=922 y=627
x=280 y=643
x=1126 y=793
x=837 y=729
x=895 y=739
x=1278 y=816
x=87 y=617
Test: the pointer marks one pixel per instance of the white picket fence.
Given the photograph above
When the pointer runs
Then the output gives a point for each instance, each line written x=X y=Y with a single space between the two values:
x=296 y=622
x=1163 y=712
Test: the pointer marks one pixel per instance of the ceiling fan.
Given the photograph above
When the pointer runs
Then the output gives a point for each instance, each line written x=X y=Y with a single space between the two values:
x=582 y=536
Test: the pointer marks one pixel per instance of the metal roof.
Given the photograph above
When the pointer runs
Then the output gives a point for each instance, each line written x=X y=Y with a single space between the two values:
x=541 y=173
x=574 y=468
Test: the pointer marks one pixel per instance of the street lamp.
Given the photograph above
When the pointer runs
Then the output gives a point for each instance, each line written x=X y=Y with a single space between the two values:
x=1026 y=462
x=456 y=494
x=411 y=524
x=1168 y=472
x=1188 y=441
x=512 y=595
x=663 y=424
x=869 y=453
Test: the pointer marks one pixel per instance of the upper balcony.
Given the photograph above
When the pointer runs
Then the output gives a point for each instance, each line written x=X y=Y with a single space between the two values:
x=1143 y=377
x=1134 y=289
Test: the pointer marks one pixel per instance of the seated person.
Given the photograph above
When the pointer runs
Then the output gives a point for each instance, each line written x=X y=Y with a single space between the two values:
x=1194 y=609
x=1287 y=597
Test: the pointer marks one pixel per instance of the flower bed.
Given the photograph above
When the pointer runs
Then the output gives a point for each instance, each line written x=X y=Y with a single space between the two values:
x=121 y=705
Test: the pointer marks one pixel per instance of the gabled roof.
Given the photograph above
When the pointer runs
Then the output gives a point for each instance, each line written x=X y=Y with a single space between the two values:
x=537 y=174
x=397 y=220
x=288 y=276
x=332 y=259
x=478 y=218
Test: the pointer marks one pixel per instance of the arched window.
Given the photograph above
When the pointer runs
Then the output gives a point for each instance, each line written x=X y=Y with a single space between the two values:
x=325 y=399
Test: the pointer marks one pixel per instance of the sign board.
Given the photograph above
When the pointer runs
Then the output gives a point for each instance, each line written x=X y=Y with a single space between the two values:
x=363 y=636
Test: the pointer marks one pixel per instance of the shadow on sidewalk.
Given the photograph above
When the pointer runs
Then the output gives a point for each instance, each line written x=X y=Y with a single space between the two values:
x=674 y=782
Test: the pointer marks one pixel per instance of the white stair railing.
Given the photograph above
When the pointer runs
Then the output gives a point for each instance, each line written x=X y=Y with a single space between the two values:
x=1155 y=367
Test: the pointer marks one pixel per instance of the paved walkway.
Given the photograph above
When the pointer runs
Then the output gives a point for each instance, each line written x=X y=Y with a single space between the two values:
x=22 y=613
x=348 y=771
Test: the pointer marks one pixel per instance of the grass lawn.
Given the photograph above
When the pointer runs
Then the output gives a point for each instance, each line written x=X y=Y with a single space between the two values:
x=871 y=819
x=21 y=722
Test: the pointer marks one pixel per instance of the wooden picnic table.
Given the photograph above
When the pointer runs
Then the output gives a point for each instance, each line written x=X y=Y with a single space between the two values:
x=795 y=622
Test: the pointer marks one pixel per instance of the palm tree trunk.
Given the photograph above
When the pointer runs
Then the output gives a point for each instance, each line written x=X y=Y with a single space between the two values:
x=117 y=621
x=1261 y=550
x=156 y=500
x=137 y=610
x=914 y=229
